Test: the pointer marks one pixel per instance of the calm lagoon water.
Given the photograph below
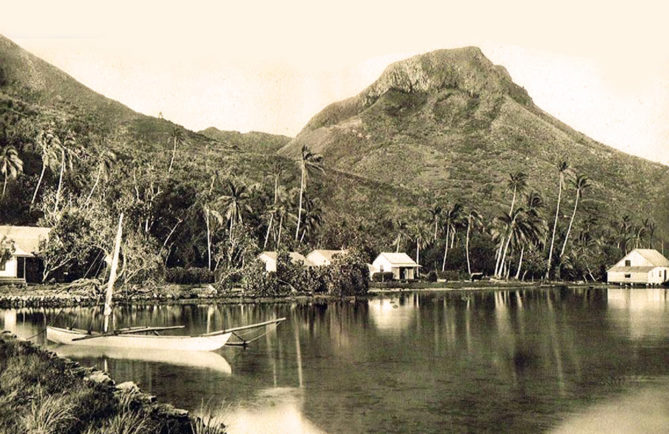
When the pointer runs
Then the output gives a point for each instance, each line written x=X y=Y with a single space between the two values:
x=569 y=360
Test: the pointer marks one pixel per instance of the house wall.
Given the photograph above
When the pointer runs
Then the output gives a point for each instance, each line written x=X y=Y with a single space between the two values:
x=636 y=260
x=317 y=259
x=655 y=276
x=270 y=264
x=381 y=264
x=10 y=268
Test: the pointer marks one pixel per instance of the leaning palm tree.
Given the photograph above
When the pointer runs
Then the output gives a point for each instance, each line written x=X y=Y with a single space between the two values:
x=10 y=165
x=177 y=137
x=510 y=222
x=105 y=163
x=451 y=221
x=581 y=183
x=48 y=144
x=309 y=162
x=563 y=167
x=474 y=220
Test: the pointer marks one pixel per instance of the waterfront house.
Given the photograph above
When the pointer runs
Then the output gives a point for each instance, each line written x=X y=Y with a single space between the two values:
x=400 y=264
x=324 y=257
x=22 y=265
x=270 y=258
x=640 y=267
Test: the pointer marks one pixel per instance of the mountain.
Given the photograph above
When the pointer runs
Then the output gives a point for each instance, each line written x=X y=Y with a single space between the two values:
x=253 y=141
x=452 y=122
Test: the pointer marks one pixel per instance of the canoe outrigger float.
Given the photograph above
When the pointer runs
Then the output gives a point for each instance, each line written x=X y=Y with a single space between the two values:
x=137 y=337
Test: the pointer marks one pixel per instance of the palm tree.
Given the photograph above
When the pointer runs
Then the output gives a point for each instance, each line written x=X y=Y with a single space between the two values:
x=177 y=137
x=581 y=183
x=48 y=144
x=563 y=166
x=517 y=183
x=280 y=199
x=10 y=165
x=309 y=162
x=451 y=220
x=234 y=202
x=474 y=219
x=419 y=232
x=105 y=163
x=534 y=225
x=651 y=227
x=435 y=213
x=402 y=232
x=67 y=153
x=312 y=217
x=509 y=221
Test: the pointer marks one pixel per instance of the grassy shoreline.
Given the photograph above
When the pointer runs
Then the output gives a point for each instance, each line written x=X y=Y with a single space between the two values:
x=43 y=393
x=56 y=296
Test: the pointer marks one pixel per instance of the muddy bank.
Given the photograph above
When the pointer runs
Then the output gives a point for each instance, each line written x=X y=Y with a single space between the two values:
x=41 y=392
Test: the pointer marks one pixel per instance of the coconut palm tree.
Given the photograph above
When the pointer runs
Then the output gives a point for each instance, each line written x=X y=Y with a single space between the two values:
x=517 y=183
x=68 y=154
x=651 y=227
x=474 y=220
x=562 y=167
x=419 y=233
x=580 y=183
x=534 y=225
x=402 y=229
x=48 y=144
x=234 y=202
x=177 y=137
x=312 y=217
x=105 y=162
x=435 y=214
x=11 y=165
x=509 y=221
x=309 y=162
x=451 y=219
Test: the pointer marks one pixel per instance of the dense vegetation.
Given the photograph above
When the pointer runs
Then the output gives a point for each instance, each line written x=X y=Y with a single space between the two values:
x=74 y=160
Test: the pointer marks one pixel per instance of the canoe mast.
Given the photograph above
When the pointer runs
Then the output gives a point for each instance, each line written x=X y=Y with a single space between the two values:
x=112 y=274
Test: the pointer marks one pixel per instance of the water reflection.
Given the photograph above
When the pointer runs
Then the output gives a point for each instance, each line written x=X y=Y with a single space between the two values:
x=522 y=359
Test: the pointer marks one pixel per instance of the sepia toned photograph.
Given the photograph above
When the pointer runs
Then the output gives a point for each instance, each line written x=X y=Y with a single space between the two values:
x=334 y=217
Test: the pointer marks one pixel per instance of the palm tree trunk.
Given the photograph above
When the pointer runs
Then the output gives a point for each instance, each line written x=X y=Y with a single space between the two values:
x=39 y=182
x=506 y=248
x=399 y=240
x=60 y=181
x=208 y=239
x=4 y=186
x=498 y=256
x=269 y=227
x=95 y=184
x=520 y=262
x=557 y=213
x=278 y=240
x=571 y=222
x=443 y=264
x=436 y=222
x=299 y=209
x=174 y=152
x=469 y=226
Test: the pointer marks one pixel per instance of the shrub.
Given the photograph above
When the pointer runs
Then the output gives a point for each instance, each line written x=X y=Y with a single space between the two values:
x=432 y=276
x=189 y=275
x=382 y=276
x=255 y=280
x=348 y=275
x=449 y=275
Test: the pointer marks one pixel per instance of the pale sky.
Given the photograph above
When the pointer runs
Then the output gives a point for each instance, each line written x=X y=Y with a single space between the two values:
x=600 y=66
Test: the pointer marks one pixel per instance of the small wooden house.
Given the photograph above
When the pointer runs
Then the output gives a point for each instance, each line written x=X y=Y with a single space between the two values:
x=400 y=264
x=26 y=242
x=324 y=257
x=640 y=267
x=270 y=258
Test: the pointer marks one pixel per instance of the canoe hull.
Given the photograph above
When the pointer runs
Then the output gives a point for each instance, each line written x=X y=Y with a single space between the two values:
x=172 y=343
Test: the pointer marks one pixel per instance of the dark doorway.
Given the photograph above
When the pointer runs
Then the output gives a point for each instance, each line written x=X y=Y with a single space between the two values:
x=21 y=267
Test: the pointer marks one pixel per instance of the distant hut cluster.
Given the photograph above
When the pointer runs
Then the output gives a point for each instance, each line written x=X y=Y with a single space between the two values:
x=400 y=265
